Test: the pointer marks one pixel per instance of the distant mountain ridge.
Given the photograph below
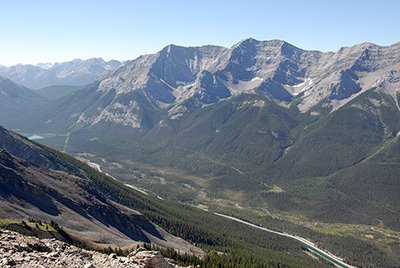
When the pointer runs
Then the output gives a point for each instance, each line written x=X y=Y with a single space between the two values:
x=272 y=66
x=73 y=73
x=15 y=100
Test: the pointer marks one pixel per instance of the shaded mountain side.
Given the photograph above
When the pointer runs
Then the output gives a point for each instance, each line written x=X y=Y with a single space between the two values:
x=28 y=190
x=23 y=148
x=16 y=102
x=55 y=92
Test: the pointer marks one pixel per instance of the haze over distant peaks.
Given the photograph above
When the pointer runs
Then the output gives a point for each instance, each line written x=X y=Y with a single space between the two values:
x=74 y=73
x=46 y=65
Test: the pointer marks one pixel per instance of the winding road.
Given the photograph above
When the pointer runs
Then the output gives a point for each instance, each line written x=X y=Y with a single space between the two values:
x=328 y=256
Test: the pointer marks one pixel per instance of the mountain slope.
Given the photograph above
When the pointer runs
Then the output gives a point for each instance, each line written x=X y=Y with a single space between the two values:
x=55 y=92
x=21 y=148
x=29 y=190
x=16 y=100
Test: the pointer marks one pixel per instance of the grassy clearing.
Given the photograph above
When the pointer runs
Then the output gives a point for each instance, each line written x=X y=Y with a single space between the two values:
x=276 y=189
x=28 y=222
x=4 y=222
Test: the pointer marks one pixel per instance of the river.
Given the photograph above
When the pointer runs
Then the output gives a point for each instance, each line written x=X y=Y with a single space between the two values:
x=326 y=255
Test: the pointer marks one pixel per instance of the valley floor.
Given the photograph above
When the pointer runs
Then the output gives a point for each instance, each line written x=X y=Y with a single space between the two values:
x=329 y=256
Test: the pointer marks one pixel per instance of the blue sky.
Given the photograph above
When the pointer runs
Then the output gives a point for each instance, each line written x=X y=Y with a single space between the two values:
x=36 y=31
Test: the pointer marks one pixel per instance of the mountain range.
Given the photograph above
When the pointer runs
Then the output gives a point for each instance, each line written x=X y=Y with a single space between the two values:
x=26 y=87
x=243 y=121
x=73 y=73
x=183 y=79
x=302 y=135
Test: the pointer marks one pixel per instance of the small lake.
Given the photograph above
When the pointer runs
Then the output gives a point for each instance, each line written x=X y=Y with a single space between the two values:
x=34 y=136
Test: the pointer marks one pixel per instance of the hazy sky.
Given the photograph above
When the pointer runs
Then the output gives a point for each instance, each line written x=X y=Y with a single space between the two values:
x=34 y=31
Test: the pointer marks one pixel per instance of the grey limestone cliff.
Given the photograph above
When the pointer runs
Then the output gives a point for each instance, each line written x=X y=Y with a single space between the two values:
x=206 y=75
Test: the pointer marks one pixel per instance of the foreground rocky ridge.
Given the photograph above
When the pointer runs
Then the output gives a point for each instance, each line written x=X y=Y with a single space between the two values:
x=17 y=250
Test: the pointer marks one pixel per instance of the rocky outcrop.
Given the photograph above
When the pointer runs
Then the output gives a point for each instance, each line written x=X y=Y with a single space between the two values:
x=17 y=250
x=151 y=259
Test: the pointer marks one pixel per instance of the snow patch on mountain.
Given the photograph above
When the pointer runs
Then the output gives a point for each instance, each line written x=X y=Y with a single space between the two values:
x=244 y=86
x=299 y=88
x=184 y=83
x=46 y=65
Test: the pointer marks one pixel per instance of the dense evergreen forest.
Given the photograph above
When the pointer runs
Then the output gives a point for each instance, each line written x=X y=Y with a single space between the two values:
x=229 y=244
x=237 y=245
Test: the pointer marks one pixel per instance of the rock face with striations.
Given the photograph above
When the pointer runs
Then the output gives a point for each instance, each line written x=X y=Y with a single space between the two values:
x=178 y=73
x=187 y=78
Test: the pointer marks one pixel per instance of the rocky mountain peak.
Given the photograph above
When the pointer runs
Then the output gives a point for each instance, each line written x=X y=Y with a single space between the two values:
x=208 y=74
